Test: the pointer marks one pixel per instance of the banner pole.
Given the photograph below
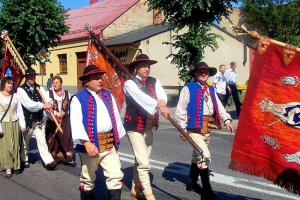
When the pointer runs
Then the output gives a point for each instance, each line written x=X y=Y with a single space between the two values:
x=256 y=35
x=241 y=30
x=16 y=52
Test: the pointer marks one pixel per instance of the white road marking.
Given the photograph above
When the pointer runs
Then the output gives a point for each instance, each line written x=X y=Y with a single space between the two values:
x=217 y=178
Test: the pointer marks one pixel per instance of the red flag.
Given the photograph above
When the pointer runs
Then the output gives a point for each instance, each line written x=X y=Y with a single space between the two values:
x=266 y=142
x=114 y=78
x=11 y=66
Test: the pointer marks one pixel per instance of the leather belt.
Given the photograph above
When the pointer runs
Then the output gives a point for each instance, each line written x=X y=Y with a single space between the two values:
x=207 y=126
x=149 y=121
x=106 y=141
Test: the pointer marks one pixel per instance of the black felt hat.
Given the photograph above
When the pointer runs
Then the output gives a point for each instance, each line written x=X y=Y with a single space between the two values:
x=30 y=71
x=141 y=58
x=203 y=65
x=90 y=70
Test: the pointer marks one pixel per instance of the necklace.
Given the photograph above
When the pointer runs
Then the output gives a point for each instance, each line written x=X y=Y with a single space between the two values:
x=6 y=94
x=59 y=93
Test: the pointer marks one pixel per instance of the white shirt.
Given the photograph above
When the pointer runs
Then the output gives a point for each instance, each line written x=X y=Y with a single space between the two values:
x=103 y=119
x=230 y=76
x=220 y=82
x=32 y=106
x=144 y=100
x=19 y=112
x=208 y=108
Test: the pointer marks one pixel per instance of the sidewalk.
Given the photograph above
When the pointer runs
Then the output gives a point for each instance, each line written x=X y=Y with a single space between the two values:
x=166 y=123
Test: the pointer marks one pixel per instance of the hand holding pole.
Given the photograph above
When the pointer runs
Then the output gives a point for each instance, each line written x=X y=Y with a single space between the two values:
x=51 y=113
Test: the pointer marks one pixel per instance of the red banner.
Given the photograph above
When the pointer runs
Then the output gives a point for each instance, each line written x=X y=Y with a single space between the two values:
x=267 y=139
x=99 y=55
x=10 y=66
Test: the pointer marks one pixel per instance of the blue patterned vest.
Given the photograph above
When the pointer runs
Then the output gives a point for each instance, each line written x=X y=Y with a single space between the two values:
x=89 y=116
x=195 y=106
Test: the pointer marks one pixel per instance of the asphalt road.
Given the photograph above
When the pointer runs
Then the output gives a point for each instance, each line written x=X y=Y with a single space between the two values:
x=170 y=166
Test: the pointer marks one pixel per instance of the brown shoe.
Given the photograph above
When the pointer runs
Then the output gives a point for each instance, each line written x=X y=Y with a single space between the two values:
x=8 y=173
x=51 y=165
x=135 y=192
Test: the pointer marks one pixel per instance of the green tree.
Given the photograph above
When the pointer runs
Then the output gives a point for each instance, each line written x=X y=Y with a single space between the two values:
x=33 y=25
x=277 y=19
x=197 y=15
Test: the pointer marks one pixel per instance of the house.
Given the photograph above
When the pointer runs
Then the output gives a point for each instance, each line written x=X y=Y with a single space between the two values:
x=127 y=28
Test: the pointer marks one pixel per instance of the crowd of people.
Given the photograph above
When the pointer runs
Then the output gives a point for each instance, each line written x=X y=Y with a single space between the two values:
x=89 y=122
x=24 y=114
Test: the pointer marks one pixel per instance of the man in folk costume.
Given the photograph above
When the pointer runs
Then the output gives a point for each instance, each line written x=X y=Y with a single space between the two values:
x=96 y=131
x=144 y=97
x=34 y=117
x=197 y=111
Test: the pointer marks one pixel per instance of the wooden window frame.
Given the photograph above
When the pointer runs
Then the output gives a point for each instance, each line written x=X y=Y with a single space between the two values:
x=63 y=61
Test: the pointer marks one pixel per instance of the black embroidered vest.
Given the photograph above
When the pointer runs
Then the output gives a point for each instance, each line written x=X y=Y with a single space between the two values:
x=135 y=116
x=34 y=96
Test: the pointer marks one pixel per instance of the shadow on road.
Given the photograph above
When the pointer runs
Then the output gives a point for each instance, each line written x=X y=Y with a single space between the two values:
x=33 y=157
x=225 y=196
x=172 y=177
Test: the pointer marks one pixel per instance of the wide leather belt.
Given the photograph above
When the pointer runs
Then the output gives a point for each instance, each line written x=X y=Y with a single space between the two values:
x=149 y=121
x=207 y=126
x=106 y=141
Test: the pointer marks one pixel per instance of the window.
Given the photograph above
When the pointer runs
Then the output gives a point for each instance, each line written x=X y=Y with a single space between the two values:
x=42 y=68
x=63 y=64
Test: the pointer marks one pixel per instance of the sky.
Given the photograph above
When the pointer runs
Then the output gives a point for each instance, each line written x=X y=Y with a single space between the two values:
x=74 y=4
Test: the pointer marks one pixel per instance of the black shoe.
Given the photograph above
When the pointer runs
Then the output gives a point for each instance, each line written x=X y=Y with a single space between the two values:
x=51 y=165
x=114 y=194
x=87 y=195
x=71 y=163
x=193 y=186
x=210 y=196
x=208 y=193
x=26 y=165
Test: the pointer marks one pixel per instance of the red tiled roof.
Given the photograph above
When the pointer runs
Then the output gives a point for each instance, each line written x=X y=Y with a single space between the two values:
x=99 y=15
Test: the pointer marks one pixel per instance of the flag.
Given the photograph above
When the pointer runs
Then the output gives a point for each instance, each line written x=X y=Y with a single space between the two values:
x=115 y=76
x=11 y=63
x=266 y=142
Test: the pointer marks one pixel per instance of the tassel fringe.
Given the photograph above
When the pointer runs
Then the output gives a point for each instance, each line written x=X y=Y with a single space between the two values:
x=289 y=179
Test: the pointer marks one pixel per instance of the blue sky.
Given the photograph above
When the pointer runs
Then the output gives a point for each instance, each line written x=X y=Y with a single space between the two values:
x=73 y=4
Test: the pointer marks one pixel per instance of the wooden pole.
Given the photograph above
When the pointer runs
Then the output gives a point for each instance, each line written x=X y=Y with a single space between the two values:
x=16 y=52
x=255 y=35
x=51 y=113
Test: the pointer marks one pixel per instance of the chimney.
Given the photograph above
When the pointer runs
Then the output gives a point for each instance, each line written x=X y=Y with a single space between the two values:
x=93 y=1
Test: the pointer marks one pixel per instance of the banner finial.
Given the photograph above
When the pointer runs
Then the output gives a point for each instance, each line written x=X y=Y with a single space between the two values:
x=88 y=27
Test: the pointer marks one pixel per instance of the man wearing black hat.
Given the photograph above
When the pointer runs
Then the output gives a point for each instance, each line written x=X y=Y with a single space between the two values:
x=96 y=131
x=33 y=111
x=198 y=111
x=144 y=97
